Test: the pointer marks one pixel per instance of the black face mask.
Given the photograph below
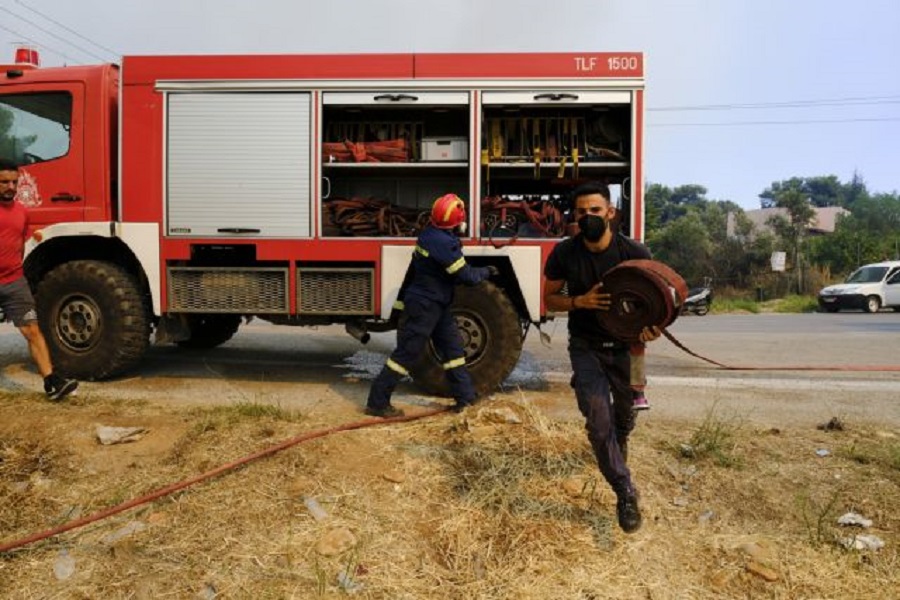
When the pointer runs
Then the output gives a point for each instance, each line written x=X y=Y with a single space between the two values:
x=593 y=227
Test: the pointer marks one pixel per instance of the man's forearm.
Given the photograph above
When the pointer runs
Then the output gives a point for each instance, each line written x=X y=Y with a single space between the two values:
x=561 y=303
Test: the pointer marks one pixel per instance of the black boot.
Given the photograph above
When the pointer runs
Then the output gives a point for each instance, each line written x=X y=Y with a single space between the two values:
x=628 y=512
x=385 y=412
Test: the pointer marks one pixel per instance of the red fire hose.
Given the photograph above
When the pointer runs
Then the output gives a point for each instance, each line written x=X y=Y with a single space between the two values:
x=647 y=292
x=12 y=545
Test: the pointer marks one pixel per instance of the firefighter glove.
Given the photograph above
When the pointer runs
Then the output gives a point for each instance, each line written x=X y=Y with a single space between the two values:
x=493 y=271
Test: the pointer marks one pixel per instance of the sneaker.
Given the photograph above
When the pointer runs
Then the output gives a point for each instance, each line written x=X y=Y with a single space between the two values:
x=640 y=402
x=385 y=412
x=58 y=388
x=628 y=513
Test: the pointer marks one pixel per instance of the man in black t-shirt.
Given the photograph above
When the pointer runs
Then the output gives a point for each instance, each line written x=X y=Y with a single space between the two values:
x=600 y=363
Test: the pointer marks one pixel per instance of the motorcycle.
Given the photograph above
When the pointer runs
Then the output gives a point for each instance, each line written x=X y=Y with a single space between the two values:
x=699 y=299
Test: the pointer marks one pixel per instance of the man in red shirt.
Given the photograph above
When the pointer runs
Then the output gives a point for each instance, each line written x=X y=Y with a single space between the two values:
x=15 y=293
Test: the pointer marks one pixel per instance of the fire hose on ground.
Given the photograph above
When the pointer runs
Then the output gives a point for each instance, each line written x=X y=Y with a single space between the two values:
x=643 y=293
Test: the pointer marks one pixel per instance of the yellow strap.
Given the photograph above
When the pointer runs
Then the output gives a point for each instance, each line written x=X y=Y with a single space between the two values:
x=561 y=172
x=422 y=251
x=456 y=362
x=393 y=366
x=457 y=265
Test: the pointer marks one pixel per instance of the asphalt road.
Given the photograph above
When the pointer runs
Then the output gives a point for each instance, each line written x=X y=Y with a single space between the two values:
x=293 y=366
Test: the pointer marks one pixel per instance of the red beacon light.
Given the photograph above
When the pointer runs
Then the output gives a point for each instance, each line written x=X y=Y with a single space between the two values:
x=27 y=57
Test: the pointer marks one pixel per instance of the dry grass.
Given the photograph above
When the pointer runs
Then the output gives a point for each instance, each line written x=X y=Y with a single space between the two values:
x=454 y=507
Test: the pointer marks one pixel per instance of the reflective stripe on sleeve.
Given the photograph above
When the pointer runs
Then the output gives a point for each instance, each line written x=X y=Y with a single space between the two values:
x=459 y=264
x=456 y=362
x=422 y=251
x=397 y=368
x=398 y=305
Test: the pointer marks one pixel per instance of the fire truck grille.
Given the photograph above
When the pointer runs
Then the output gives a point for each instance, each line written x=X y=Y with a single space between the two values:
x=336 y=291
x=228 y=290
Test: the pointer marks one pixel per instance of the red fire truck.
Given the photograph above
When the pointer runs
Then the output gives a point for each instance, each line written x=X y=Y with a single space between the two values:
x=180 y=195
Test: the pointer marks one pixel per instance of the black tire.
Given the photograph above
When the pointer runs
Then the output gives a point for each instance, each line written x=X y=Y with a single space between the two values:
x=492 y=338
x=94 y=318
x=209 y=331
x=831 y=309
x=873 y=304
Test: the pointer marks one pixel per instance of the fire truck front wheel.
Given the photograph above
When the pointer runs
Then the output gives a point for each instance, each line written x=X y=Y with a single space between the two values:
x=94 y=319
x=492 y=339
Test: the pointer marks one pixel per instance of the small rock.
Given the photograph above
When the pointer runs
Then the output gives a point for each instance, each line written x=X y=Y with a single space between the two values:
x=119 y=435
x=762 y=571
x=863 y=542
x=347 y=583
x=687 y=450
x=315 y=509
x=209 y=592
x=394 y=476
x=64 y=565
x=851 y=518
x=822 y=452
x=680 y=501
x=691 y=470
x=705 y=517
x=335 y=542
x=834 y=424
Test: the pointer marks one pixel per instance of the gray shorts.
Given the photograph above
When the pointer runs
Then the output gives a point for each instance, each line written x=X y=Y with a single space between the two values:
x=17 y=302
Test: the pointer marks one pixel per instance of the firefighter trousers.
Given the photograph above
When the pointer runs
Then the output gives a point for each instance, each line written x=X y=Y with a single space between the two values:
x=600 y=378
x=424 y=320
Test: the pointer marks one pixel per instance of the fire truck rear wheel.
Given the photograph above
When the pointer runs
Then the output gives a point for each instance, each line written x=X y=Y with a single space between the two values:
x=492 y=339
x=209 y=331
x=94 y=318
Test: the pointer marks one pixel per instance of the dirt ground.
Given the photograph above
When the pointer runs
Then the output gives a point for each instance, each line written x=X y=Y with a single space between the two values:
x=503 y=501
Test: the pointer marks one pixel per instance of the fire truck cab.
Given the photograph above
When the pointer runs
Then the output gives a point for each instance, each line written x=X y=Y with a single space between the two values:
x=178 y=195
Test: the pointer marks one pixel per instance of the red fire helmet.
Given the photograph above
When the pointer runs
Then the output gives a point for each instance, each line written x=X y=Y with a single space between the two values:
x=448 y=211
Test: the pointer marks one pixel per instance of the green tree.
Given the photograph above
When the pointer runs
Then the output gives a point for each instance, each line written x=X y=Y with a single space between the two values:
x=685 y=245
x=793 y=228
x=855 y=191
x=664 y=204
x=869 y=234
x=826 y=190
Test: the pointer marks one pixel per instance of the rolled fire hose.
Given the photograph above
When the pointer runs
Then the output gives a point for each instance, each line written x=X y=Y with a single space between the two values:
x=643 y=293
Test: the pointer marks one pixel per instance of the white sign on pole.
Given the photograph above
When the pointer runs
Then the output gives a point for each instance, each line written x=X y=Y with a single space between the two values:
x=778 y=261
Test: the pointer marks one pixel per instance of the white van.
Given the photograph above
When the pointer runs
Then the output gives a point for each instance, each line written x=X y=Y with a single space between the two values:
x=870 y=288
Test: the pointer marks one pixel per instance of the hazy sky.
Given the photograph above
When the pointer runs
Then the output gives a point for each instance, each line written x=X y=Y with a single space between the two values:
x=820 y=77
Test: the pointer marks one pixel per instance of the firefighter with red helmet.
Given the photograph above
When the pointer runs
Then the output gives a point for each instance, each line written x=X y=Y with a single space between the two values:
x=438 y=266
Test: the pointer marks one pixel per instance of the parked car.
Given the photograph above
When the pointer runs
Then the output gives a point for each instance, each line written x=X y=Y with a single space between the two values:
x=869 y=288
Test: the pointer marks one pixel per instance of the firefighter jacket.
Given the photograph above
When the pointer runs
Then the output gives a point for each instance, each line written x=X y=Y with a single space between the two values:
x=438 y=265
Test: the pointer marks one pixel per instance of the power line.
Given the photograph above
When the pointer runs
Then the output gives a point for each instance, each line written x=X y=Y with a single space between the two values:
x=69 y=29
x=58 y=37
x=37 y=43
x=794 y=122
x=853 y=101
